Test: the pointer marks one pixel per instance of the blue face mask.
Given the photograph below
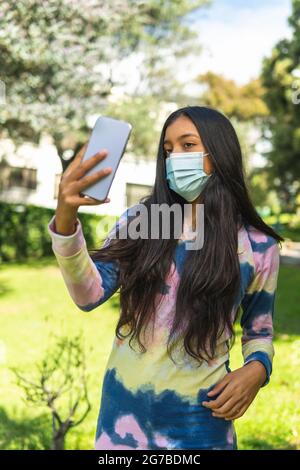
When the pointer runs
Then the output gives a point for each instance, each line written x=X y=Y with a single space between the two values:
x=185 y=174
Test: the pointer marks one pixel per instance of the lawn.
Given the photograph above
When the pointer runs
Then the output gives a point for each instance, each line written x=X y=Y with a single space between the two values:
x=35 y=305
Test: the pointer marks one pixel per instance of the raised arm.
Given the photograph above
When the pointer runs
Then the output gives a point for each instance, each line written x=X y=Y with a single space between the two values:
x=90 y=283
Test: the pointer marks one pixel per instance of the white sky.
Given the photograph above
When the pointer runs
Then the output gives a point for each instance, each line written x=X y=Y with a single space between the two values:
x=235 y=36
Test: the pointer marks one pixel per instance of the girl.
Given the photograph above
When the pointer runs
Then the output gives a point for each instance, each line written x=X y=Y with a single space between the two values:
x=168 y=383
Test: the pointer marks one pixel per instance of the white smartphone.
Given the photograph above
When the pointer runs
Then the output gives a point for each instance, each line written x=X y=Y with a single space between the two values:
x=113 y=135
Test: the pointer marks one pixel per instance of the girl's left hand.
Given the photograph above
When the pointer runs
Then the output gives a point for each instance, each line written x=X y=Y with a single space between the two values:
x=239 y=388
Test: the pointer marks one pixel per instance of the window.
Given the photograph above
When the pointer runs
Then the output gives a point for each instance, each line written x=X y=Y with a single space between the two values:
x=12 y=176
x=134 y=192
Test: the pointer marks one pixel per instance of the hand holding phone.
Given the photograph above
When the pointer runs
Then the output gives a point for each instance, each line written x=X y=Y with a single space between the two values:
x=72 y=184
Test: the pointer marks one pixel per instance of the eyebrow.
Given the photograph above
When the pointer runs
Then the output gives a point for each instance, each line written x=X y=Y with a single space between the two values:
x=181 y=137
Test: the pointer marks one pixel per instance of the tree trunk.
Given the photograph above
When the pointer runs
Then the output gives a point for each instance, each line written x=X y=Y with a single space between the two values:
x=58 y=442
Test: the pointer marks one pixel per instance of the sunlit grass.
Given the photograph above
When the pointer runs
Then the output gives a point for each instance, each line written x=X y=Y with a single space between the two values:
x=35 y=305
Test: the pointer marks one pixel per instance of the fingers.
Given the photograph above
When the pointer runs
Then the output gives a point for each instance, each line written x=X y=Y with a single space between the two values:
x=83 y=167
x=231 y=409
x=237 y=414
x=81 y=152
x=234 y=417
x=74 y=181
x=75 y=162
x=219 y=386
x=220 y=401
x=90 y=179
x=88 y=201
x=230 y=406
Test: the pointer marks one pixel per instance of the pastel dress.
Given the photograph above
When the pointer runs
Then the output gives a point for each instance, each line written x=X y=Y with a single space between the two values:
x=147 y=400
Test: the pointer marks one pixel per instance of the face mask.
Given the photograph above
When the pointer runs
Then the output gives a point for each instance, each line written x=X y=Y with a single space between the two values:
x=185 y=174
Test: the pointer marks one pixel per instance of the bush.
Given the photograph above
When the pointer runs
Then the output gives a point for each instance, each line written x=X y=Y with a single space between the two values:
x=24 y=235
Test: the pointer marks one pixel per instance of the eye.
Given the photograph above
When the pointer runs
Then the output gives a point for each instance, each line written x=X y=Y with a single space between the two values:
x=189 y=143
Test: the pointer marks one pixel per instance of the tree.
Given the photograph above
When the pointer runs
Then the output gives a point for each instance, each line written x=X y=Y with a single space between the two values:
x=280 y=78
x=60 y=383
x=58 y=59
x=243 y=102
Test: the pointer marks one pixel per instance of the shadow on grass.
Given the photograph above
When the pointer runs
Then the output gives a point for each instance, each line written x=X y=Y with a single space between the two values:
x=24 y=433
x=261 y=444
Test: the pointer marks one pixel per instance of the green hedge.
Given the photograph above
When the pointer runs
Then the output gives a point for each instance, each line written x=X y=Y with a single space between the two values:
x=24 y=235
x=287 y=225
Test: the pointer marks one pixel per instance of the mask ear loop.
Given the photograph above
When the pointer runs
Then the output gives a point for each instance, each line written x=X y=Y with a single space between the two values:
x=207 y=174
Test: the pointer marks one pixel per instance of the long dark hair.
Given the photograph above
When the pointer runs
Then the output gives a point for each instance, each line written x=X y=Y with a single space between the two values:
x=210 y=278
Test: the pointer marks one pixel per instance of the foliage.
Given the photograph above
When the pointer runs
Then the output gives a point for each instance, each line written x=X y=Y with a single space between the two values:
x=59 y=383
x=24 y=235
x=244 y=102
x=281 y=80
x=58 y=59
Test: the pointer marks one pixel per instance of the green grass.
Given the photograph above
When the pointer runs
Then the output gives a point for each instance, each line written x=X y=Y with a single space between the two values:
x=35 y=305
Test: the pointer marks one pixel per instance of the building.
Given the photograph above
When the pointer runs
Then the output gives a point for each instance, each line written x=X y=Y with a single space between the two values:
x=31 y=175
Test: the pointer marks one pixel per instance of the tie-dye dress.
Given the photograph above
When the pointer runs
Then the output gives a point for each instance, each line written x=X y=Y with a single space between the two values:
x=148 y=401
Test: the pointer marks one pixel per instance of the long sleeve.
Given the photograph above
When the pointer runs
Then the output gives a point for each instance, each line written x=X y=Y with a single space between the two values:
x=90 y=283
x=258 y=305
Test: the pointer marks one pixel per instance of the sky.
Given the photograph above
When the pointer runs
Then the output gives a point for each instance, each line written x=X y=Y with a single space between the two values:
x=235 y=36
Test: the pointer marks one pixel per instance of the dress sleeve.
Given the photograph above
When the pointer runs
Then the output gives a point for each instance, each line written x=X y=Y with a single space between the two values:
x=90 y=283
x=258 y=306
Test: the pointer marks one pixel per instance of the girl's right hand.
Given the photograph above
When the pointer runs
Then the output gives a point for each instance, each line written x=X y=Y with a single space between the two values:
x=71 y=184
x=73 y=180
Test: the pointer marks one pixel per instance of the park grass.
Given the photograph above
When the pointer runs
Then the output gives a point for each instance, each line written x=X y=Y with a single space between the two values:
x=35 y=306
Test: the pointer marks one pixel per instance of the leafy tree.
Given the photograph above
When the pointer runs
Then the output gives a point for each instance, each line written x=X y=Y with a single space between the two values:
x=58 y=59
x=281 y=79
x=244 y=102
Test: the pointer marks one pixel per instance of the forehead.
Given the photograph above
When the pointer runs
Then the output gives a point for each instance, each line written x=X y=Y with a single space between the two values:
x=182 y=125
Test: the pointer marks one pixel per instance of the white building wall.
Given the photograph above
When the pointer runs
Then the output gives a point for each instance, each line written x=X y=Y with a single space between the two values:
x=129 y=171
x=45 y=160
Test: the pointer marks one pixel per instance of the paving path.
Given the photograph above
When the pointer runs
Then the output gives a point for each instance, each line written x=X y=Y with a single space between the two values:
x=290 y=253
